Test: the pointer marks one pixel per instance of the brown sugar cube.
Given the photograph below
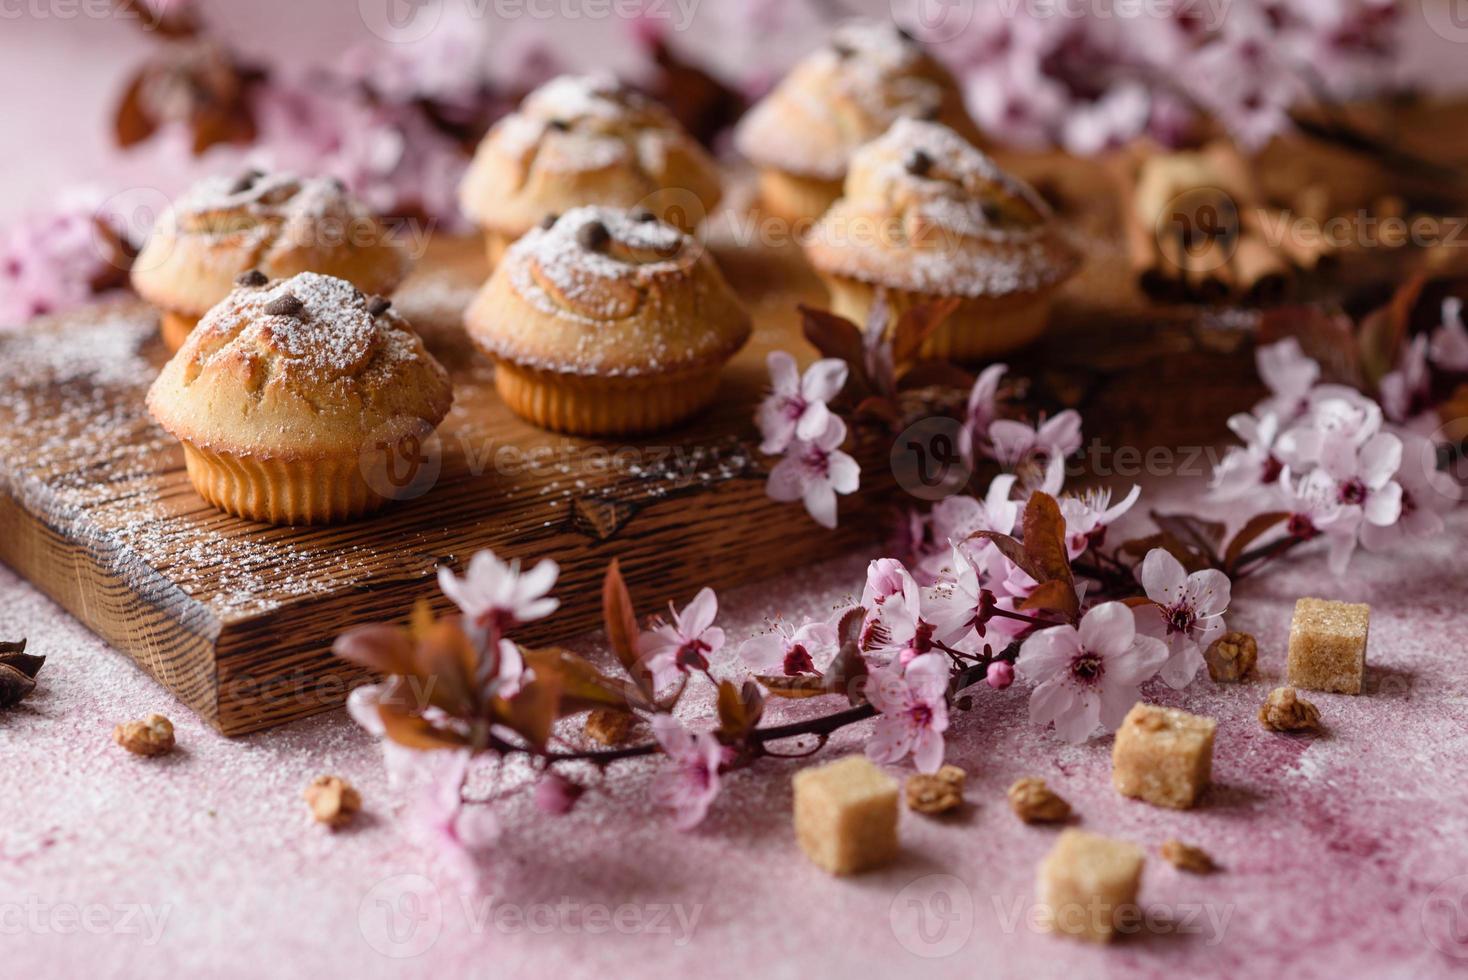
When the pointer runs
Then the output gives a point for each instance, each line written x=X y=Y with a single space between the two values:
x=846 y=815
x=1163 y=756
x=1328 y=645
x=1088 y=885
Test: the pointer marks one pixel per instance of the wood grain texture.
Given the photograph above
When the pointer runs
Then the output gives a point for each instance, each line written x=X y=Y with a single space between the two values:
x=237 y=618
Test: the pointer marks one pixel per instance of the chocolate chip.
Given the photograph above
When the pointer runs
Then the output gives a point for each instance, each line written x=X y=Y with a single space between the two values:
x=246 y=181
x=559 y=125
x=378 y=305
x=918 y=163
x=286 y=304
x=252 y=279
x=992 y=212
x=904 y=33
x=931 y=114
x=843 y=51
x=593 y=236
x=549 y=221
x=643 y=214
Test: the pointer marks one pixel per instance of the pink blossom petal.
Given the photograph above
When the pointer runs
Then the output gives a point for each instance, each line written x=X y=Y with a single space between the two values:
x=891 y=739
x=1208 y=592
x=784 y=373
x=824 y=380
x=927 y=750
x=1163 y=577
x=1081 y=721
x=1108 y=629
x=820 y=503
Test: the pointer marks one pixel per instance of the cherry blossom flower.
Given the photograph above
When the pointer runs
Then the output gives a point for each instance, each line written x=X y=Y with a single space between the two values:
x=954 y=519
x=1289 y=375
x=456 y=833
x=692 y=785
x=913 y=708
x=1407 y=390
x=999 y=675
x=1251 y=470
x=815 y=472
x=1088 y=515
x=982 y=410
x=399 y=761
x=1427 y=494
x=495 y=595
x=894 y=605
x=56 y=260
x=1449 y=346
x=1333 y=413
x=808 y=649
x=1188 y=614
x=555 y=794
x=1016 y=443
x=960 y=605
x=1360 y=483
x=796 y=406
x=1088 y=677
x=684 y=645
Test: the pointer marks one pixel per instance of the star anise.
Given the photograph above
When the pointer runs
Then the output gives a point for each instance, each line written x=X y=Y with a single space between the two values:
x=18 y=671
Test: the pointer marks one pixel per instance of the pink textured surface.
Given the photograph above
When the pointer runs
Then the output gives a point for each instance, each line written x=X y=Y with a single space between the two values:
x=1342 y=854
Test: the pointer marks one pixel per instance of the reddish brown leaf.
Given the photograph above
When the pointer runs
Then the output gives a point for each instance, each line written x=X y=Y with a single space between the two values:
x=621 y=625
x=1137 y=601
x=1044 y=530
x=878 y=409
x=1383 y=331
x=1249 y=533
x=933 y=374
x=532 y=711
x=795 y=687
x=1056 y=596
x=1189 y=557
x=847 y=673
x=410 y=730
x=1012 y=549
x=380 y=648
x=740 y=709
x=1204 y=536
x=447 y=658
x=832 y=335
x=917 y=324
x=582 y=686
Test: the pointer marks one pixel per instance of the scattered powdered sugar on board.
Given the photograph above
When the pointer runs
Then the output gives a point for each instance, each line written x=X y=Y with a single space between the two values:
x=77 y=445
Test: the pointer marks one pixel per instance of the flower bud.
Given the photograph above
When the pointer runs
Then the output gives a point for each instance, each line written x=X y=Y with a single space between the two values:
x=555 y=794
x=1000 y=675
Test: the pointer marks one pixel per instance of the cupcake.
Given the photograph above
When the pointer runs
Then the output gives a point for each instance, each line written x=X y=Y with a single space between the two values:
x=925 y=216
x=276 y=223
x=287 y=390
x=802 y=135
x=607 y=322
x=585 y=139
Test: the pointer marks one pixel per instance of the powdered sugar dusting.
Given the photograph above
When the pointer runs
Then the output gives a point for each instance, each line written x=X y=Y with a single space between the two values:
x=639 y=249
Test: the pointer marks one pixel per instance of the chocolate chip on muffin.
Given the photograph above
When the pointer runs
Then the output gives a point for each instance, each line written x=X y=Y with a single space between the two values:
x=251 y=279
x=286 y=304
x=593 y=236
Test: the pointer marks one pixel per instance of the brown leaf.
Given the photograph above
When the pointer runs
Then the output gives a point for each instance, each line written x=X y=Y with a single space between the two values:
x=740 y=709
x=1204 y=536
x=621 y=624
x=412 y=731
x=796 y=686
x=1384 y=331
x=846 y=673
x=933 y=374
x=917 y=324
x=848 y=627
x=378 y=647
x=1055 y=595
x=448 y=657
x=582 y=686
x=833 y=336
x=1044 y=537
x=1189 y=557
x=532 y=711
x=1252 y=529
x=1012 y=549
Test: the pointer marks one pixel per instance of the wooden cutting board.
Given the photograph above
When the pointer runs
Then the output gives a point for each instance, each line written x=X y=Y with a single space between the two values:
x=237 y=618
